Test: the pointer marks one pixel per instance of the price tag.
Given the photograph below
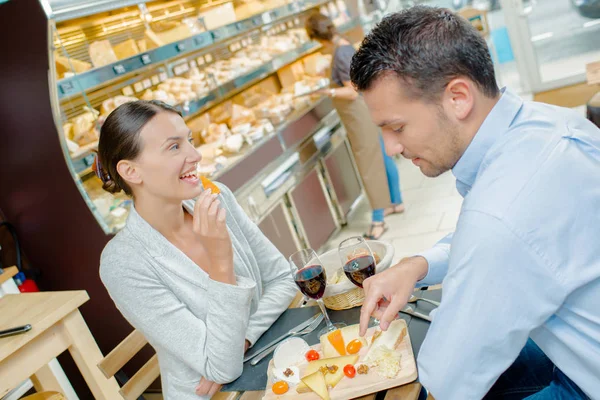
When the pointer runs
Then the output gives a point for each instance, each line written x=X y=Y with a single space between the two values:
x=138 y=87
x=193 y=64
x=200 y=40
x=146 y=59
x=127 y=91
x=89 y=159
x=208 y=58
x=155 y=80
x=290 y=24
x=66 y=87
x=200 y=60
x=119 y=69
x=163 y=76
x=180 y=47
x=297 y=21
x=147 y=83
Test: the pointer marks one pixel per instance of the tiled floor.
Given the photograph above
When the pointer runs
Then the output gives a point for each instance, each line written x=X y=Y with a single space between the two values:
x=432 y=208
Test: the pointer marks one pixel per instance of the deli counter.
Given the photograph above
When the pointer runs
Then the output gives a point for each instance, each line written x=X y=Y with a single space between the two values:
x=243 y=75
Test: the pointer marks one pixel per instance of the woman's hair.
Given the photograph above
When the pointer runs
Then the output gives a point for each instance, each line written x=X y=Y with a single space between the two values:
x=120 y=140
x=320 y=27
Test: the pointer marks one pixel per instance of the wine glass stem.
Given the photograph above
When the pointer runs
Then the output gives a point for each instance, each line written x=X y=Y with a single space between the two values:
x=324 y=311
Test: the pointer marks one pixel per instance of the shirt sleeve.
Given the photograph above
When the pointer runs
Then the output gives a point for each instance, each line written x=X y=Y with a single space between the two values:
x=343 y=59
x=206 y=346
x=278 y=285
x=437 y=259
x=497 y=290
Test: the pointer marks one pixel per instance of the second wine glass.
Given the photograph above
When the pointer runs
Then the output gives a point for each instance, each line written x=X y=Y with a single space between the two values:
x=310 y=276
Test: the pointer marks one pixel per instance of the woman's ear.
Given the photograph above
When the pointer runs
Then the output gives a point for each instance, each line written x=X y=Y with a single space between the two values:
x=129 y=172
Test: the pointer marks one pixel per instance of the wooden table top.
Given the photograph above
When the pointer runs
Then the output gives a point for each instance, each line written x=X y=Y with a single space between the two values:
x=40 y=310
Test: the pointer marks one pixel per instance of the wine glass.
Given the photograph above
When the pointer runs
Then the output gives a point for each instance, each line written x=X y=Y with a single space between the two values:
x=309 y=274
x=358 y=262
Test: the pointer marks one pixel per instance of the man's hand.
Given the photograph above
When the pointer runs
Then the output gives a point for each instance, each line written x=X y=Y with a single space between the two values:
x=387 y=293
x=207 y=388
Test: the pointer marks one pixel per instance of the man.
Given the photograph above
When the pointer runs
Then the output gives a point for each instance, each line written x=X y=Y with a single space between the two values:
x=524 y=261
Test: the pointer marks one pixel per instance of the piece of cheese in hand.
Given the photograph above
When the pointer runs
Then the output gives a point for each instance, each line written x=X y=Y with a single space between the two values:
x=381 y=353
x=391 y=338
x=207 y=183
x=316 y=382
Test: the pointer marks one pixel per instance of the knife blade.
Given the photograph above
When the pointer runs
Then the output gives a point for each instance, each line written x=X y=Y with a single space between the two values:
x=297 y=328
x=416 y=314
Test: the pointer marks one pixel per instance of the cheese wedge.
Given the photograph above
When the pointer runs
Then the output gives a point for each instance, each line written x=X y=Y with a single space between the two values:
x=331 y=379
x=337 y=341
x=208 y=184
x=316 y=383
x=349 y=333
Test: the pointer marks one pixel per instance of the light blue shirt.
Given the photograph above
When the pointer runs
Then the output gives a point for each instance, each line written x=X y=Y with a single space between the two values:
x=524 y=260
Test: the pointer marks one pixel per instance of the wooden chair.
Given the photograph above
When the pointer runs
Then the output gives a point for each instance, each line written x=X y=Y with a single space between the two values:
x=45 y=396
x=116 y=359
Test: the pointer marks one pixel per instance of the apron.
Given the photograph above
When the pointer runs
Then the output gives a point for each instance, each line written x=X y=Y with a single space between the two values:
x=363 y=136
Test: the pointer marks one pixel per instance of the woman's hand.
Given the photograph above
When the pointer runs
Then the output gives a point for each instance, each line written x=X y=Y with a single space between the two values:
x=211 y=229
x=207 y=388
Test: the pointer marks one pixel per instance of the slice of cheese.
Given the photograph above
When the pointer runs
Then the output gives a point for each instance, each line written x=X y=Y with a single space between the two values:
x=337 y=341
x=331 y=379
x=316 y=382
x=390 y=338
x=349 y=333
x=101 y=53
x=126 y=49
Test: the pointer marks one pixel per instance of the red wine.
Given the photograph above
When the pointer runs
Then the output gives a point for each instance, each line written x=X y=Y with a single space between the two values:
x=359 y=269
x=311 y=280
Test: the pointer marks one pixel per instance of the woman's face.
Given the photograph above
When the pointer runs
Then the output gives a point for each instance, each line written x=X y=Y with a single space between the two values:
x=166 y=166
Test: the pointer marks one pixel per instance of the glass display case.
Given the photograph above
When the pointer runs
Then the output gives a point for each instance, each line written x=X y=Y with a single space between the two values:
x=237 y=71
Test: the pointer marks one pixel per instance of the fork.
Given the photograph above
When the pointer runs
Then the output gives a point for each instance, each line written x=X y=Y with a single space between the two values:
x=258 y=357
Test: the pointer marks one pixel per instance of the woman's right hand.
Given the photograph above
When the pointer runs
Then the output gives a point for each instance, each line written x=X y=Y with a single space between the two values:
x=210 y=228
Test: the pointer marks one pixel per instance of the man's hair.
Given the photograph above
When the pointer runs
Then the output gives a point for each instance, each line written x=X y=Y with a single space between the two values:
x=427 y=47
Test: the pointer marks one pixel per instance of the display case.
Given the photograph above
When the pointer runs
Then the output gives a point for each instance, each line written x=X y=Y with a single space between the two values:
x=239 y=72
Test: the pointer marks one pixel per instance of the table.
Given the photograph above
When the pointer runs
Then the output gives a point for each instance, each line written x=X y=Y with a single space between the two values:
x=57 y=326
x=417 y=329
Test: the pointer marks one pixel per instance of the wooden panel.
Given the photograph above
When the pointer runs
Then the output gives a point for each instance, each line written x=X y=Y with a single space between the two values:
x=45 y=380
x=117 y=358
x=41 y=310
x=87 y=355
x=141 y=380
x=45 y=396
x=8 y=273
x=25 y=361
x=568 y=96
x=257 y=395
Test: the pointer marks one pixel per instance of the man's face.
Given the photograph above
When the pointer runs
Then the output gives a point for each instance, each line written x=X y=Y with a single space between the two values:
x=422 y=132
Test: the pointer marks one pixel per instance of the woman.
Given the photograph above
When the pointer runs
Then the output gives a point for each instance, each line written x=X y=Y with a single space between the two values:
x=364 y=136
x=196 y=277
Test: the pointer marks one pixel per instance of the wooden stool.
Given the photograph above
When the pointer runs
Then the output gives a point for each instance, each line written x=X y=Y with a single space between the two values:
x=45 y=396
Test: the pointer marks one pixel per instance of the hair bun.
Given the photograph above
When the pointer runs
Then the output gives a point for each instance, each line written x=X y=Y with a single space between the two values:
x=108 y=183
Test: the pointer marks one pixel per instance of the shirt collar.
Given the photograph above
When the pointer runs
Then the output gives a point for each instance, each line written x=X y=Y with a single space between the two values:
x=494 y=125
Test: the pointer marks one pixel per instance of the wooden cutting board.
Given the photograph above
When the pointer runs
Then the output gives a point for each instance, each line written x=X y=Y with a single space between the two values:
x=360 y=385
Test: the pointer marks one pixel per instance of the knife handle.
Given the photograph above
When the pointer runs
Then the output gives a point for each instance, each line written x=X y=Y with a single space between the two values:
x=263 y=354
x=267 y=347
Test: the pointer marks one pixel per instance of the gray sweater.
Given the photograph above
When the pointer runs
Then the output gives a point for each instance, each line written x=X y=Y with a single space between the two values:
x=196 y=325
